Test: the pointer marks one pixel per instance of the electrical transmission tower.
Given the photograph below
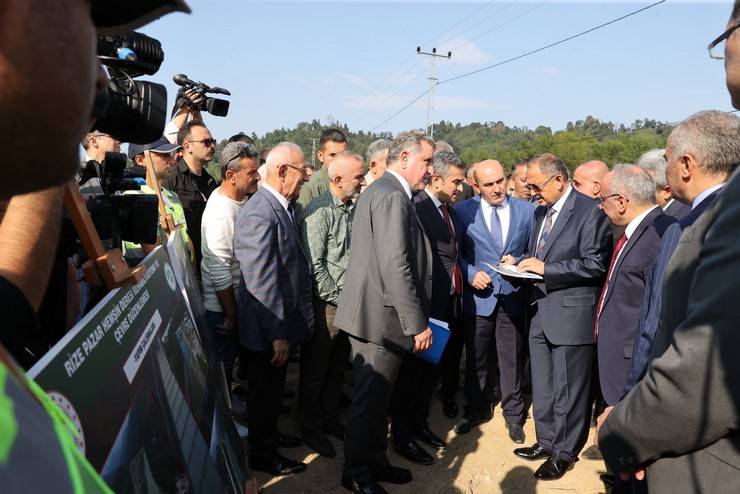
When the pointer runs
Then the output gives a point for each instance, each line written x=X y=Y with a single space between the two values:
x=432 y=84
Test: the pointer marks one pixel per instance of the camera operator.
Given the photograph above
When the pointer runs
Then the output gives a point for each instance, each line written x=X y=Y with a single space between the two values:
x=190 y=180
x=96 y=144
x=184 y=114
x=161 y=153
x=49 y=80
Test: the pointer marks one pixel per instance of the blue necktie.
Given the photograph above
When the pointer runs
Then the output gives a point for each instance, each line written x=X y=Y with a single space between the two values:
x=498 y=237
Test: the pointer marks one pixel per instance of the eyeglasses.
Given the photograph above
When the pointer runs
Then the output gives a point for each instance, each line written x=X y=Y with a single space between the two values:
x=539 y=188
x=601 y=199
x=716 y=47
x=303 y=171
x=207 y=142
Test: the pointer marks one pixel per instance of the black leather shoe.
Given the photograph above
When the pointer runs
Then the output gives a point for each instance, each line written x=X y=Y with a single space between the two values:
x=413 y=452
x=393 y=475
x=318 y=442
x=449 y=408
x=336 y=429
x=425 y=435
x=592 y=453
x=534 y=452
x=608 y=479
x=553 y=469
x=279 y=465
x=288 y=441
x=362 y=486
x=516 y=432
x=466 y=424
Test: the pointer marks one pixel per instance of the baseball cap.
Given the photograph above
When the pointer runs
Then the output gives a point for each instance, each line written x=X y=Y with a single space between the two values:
x=161 y=145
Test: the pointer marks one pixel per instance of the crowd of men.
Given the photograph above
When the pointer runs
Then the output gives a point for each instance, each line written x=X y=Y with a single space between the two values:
x=631 y=273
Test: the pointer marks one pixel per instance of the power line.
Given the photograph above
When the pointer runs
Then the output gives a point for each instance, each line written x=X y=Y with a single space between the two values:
x=519 y=57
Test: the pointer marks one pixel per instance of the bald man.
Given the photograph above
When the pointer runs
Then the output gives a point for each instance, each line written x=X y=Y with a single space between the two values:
x=493 y=227
x=274 y=301
x=325 y=232
x=588 y=177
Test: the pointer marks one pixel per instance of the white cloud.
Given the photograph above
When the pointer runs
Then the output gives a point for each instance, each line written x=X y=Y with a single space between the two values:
x=465 y=51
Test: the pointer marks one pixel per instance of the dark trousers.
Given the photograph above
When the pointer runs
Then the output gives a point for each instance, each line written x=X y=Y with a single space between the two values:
x=491 y=340
x=365 y=443
x=265 y=384
x=411 y=397
x=322 y=370
x=561 y=375
x=449 y=364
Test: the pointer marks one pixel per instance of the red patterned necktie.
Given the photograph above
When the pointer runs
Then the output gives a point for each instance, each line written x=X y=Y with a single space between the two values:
x=620 y=243
x=456 y=274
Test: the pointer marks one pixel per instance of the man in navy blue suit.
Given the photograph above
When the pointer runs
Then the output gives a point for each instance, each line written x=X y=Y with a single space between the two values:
x=494 y=227
x=628 y=199
x=570 y=245
x=696 y=173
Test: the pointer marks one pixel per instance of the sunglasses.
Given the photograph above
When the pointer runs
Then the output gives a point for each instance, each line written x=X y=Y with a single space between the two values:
x=207 y=142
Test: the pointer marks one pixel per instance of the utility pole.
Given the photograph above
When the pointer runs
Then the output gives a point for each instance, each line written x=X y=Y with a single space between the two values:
x=313 y=153
x=432 y=84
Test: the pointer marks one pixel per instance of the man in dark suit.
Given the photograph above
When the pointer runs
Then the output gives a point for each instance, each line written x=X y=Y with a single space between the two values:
x=628 y=199
x=274 y=300
x=493 y=226
x=385 y=309
x=697 y=174
x=414 y=388
x=680 y=422
x=571 y=244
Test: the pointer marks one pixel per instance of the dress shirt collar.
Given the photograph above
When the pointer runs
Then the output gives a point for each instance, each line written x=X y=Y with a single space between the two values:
x=632 y=225
x=558 y=206
x=700 y=198
x=668 y=204
x=281 y=198
x=486 y=205
x=404 y=183
x=437 y=202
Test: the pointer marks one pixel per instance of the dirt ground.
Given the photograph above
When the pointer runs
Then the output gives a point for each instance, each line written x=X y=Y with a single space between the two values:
x=480 y=462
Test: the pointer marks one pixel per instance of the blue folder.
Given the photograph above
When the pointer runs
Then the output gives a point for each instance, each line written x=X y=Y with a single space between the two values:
x=440 y=337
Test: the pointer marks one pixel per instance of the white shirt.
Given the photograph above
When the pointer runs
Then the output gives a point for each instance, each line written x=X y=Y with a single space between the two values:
x=219 y=266
x=628 y=232
x=706 y=193
x=556 y=212
x=281 y=198
x=504 y=216
x=668 y=204
x=404 y=183
x=438 y=204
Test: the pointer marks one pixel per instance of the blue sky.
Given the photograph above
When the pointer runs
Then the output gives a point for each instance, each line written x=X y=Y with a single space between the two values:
x=355 y=61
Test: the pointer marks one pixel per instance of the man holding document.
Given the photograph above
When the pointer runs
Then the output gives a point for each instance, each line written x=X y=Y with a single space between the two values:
x=385 y=310
x=493 y=227
x=570 y=246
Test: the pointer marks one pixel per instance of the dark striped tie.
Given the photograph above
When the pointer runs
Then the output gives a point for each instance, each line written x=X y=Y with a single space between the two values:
x=545 y=233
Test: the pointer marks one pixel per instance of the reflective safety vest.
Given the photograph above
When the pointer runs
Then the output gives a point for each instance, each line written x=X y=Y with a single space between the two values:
x=37 y=449
x=173 y=206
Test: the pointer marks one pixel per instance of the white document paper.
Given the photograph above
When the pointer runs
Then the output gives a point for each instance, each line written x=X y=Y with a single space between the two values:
x=513 y=272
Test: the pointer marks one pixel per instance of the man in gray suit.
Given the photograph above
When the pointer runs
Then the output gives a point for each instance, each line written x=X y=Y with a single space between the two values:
x=385 y=310
x=681 y=421
x=570 y=243
x=274 y=300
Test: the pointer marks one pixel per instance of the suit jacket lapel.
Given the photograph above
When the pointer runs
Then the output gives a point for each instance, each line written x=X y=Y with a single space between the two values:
x=634 y=238
x=534 y=234
x=560 y=222
x=513 y=218
x=284 y=218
